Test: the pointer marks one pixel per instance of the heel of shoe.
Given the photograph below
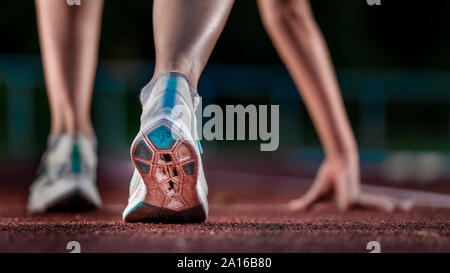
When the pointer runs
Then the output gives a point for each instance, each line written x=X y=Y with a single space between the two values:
x=168 y=165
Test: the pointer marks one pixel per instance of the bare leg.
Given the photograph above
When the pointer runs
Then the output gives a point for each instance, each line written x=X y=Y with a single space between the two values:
x=53 y=18
x=185 y=34
x=69 y=44
x=301 y=46
x=86 y=24
x=69 y=41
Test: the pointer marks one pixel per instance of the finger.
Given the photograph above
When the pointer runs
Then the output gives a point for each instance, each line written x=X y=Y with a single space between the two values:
x=385 y=202
x=405 y=205
x=344 y=196
x=348 y=187
x=317 y=189
x=377 y=202
x=355 y=181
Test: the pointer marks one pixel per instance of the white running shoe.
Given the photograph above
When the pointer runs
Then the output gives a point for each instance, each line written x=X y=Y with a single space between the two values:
x=67 y=176
x=84 y=169
x=168 y=184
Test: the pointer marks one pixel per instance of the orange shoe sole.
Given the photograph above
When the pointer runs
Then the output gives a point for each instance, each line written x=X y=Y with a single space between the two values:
x=168 y=165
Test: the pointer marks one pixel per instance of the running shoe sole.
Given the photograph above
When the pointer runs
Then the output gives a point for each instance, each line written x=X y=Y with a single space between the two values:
x=168 y=165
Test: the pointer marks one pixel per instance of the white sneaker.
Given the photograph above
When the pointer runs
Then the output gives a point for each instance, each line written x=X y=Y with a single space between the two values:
x=84 y=169
x=67 y=176
x=168 y=184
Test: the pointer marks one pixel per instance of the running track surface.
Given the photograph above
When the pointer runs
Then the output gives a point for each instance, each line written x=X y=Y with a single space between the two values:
x=246 y=215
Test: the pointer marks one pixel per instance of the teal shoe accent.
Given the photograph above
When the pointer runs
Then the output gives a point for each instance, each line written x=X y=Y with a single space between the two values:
x=200 y=148
x=162 y=137
x=189 y=168
x=143 y=151
x=76 y=159
x=169 y=93
x=143 y=167
x=135 y=207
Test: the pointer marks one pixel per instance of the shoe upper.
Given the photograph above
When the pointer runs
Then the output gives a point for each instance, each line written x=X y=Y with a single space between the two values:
x=68 y=166
x=84 y=155
x=84 y=167
x=170 y=94
x=55 y=162
x=170 y=97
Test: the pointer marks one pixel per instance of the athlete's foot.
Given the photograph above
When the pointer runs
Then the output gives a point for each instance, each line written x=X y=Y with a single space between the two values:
x=67 y=176
x=84 y=169
x=168 y=184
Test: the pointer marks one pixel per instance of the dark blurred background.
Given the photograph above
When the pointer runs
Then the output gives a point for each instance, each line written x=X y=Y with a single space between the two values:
x=393 y=64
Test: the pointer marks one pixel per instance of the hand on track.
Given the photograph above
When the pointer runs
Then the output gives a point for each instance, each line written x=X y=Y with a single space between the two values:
x=341 y=178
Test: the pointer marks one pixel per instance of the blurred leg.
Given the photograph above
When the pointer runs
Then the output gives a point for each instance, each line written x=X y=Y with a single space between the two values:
x=300 y=44
x=185 y=34
x=86 y=25
x=302 y=48
x=69 y=42
x=53 y=18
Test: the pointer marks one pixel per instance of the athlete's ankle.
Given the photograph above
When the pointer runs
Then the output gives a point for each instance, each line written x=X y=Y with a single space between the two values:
x=146 y=90
x=85 y=128
x=187 y=73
